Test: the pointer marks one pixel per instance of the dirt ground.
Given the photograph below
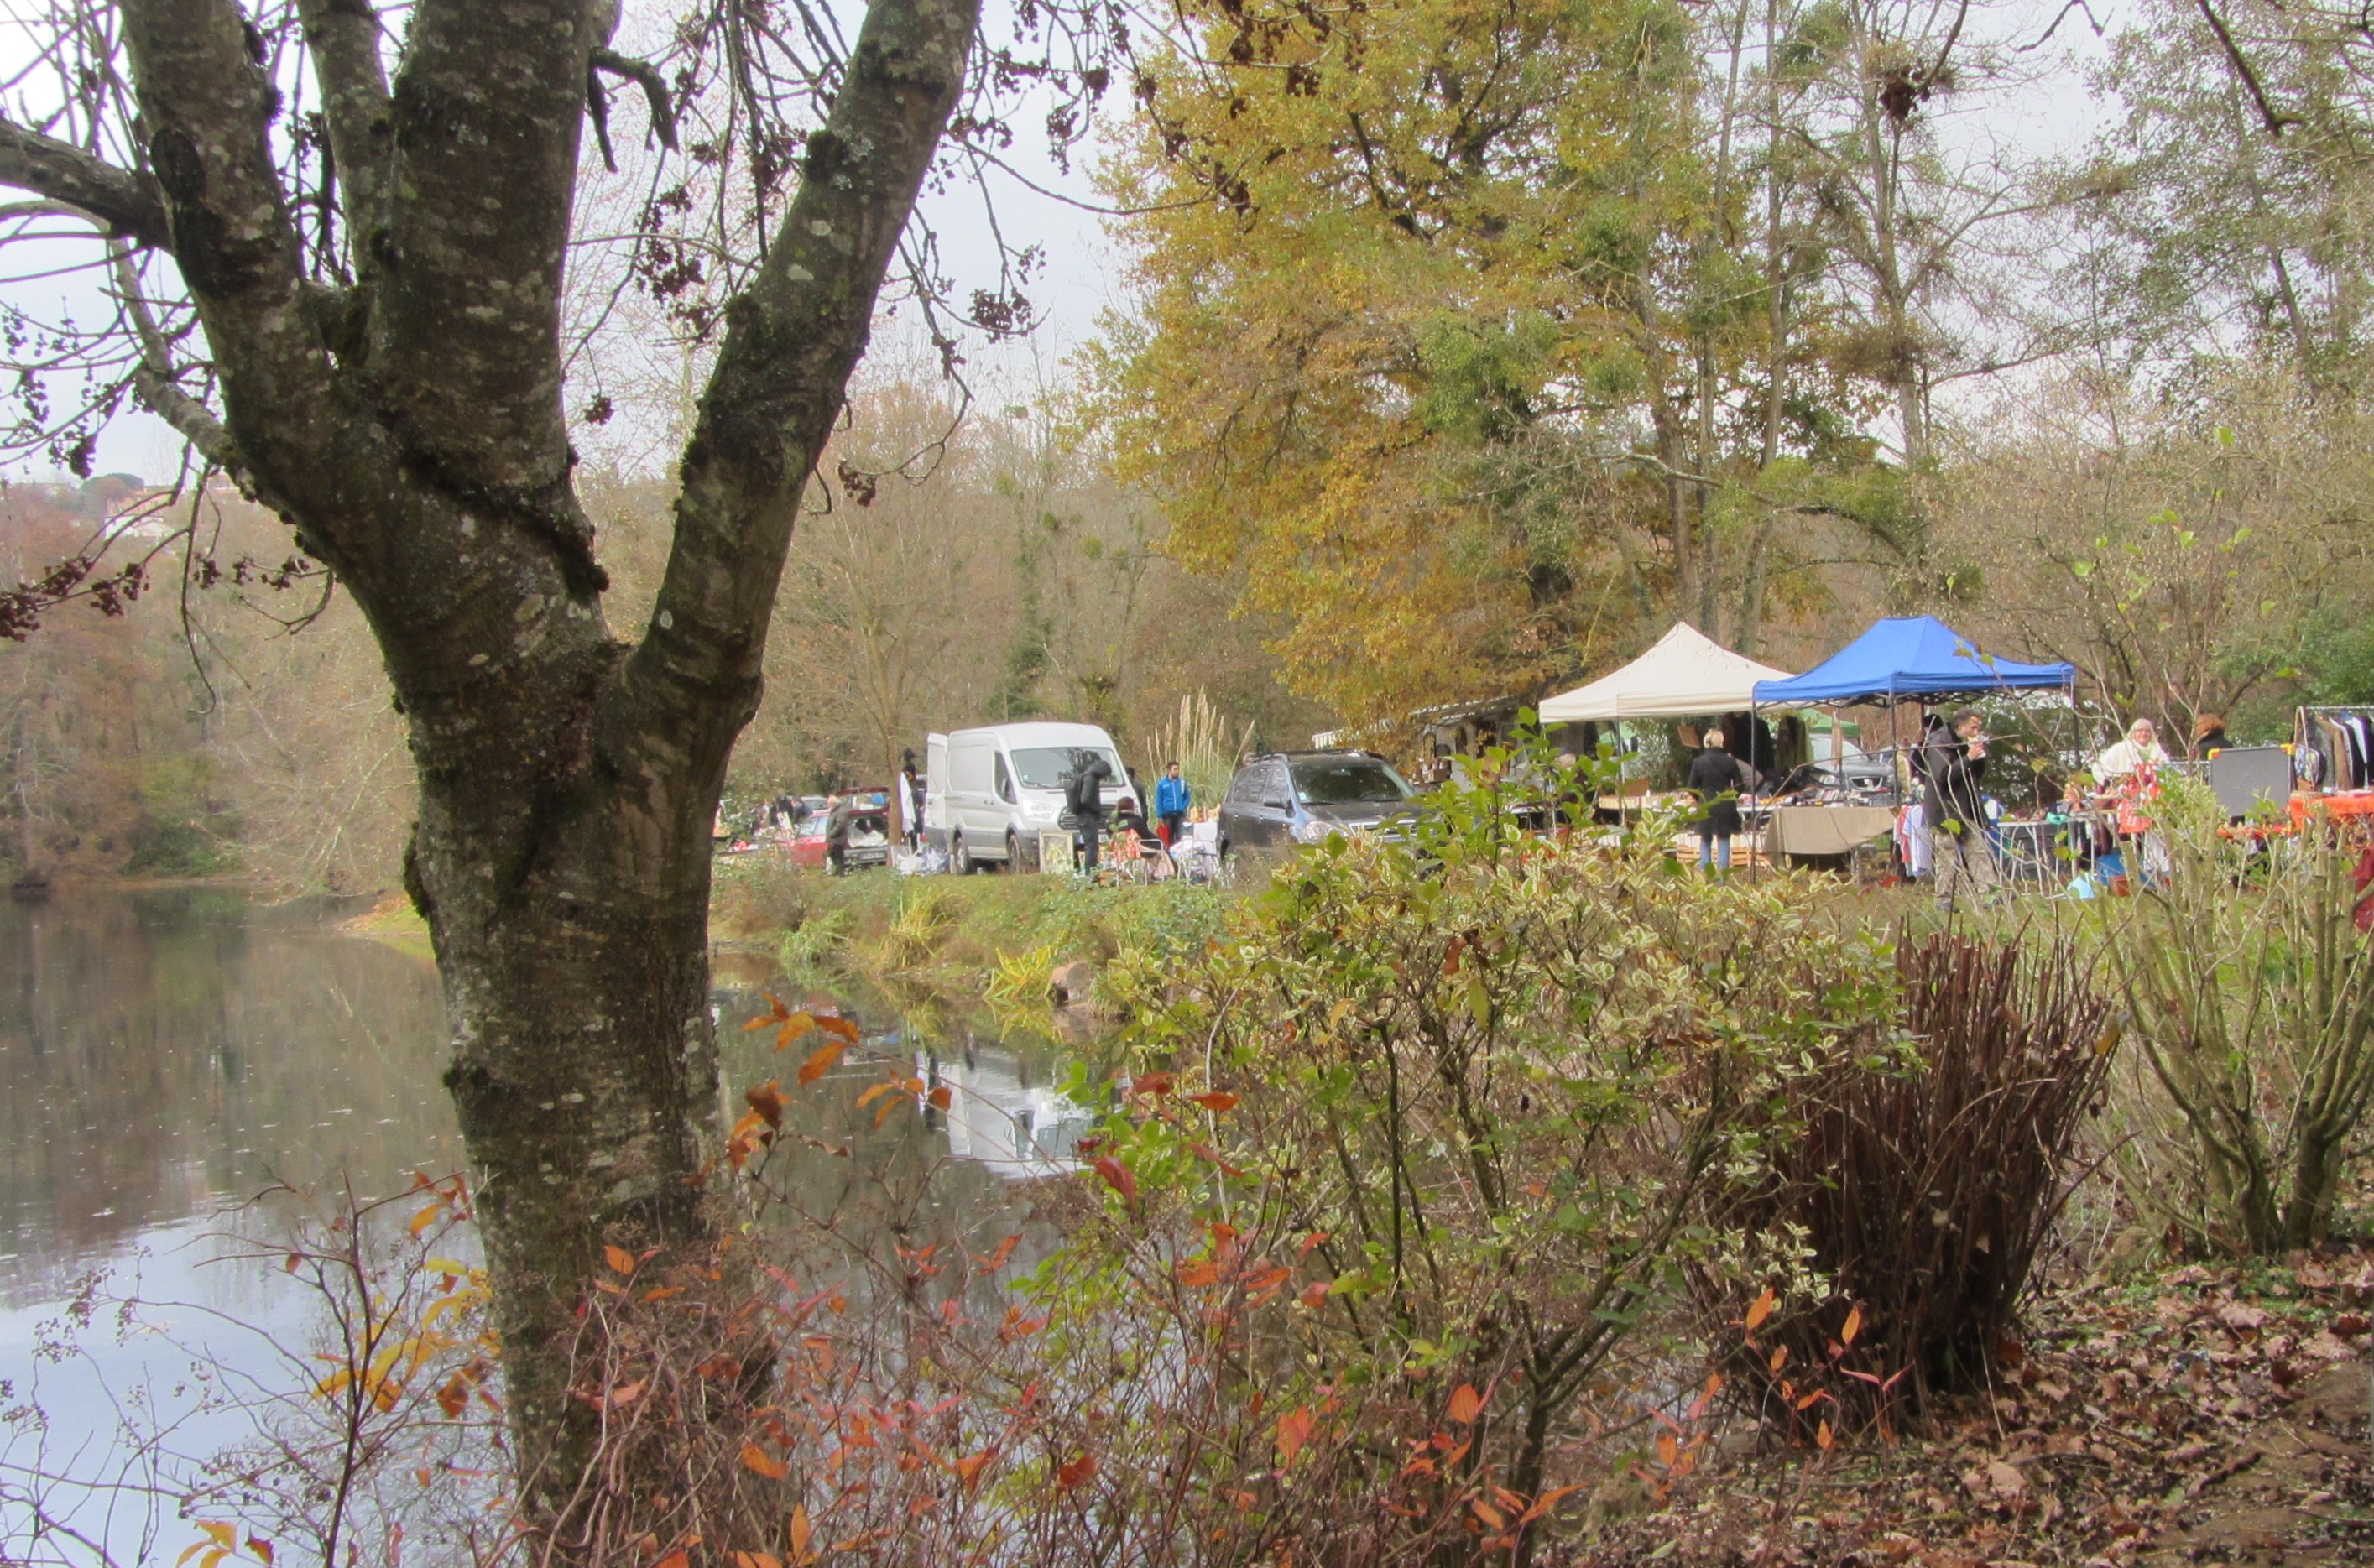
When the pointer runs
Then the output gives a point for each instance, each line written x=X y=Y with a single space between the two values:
x=2197 y=1416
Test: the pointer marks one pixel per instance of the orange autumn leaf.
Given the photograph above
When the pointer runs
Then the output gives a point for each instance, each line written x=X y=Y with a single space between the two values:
x=969 y=1469
x=618 y=1257
x=942 y=1097
x=1216 y=1100
x=757 y=1461
x=1117 y=1176
x=426 y=1218
x=679 y=1558
x=827 y=1055
x=1466 y=1404
x=840 y=1026
x=1762 y=1309
x=1293 y=1432
x=995 y=1260
x=799 y=1536
x=756 y=1560
x=1853 y=1327
x=1824 y=1437
x=1077 y=1473
x=766 y=1101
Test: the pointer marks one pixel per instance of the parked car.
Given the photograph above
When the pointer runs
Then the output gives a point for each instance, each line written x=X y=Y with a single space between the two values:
x=869 y=834
x=1289 y=798
x=990 y=792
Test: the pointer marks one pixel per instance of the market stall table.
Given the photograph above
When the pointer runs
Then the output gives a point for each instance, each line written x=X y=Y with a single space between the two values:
x=1794 y=832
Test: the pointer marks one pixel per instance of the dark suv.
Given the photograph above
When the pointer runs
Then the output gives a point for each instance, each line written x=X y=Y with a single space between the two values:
x=1287 y=798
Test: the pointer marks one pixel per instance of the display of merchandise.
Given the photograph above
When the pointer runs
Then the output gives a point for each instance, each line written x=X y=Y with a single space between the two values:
x=2334 y=748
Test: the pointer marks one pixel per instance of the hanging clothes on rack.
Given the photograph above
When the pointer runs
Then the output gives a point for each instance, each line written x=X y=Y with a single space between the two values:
x=2333 y=748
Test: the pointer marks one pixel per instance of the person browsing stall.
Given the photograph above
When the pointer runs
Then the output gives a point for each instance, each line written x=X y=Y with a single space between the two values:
x=1172 y=798
x=1962 y=855
x=1087 y=803
x=1716 y=776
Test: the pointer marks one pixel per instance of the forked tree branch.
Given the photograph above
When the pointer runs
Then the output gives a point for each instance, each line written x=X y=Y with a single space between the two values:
x=343 y=37
x=125 y=203
x=207 y=108
x=793 y=338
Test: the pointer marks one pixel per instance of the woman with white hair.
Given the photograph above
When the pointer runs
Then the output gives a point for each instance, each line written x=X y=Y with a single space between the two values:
x=1718 y=780
x=2139 y=751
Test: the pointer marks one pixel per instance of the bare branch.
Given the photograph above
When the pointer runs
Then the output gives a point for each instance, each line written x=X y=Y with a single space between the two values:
x=645 y=75
x=126 y=204
x=153 y=379
x=2275 y=122
x=343 y=37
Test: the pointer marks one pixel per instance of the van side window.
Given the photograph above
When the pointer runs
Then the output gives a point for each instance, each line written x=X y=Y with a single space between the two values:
x=1243 y=792
x=1005 y=780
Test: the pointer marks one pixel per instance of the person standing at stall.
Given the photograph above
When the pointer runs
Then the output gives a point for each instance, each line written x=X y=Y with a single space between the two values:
x=1962 y=855
x=2134 y=760
x=1171 y=799
x=1087 y=803
x=911 y=806
x=1716 y=777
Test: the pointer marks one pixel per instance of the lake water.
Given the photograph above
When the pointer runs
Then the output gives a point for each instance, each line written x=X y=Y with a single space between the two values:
x=165 y=1057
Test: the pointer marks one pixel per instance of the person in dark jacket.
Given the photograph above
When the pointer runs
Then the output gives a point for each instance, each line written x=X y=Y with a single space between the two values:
x=839 y=810
x=2208 y=735
x=1087 y=802
x=1715 y=776
x=1953 y=766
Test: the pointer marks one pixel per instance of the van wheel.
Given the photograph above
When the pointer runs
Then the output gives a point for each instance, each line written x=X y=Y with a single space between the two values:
x=1013 y=851
x=960 y=857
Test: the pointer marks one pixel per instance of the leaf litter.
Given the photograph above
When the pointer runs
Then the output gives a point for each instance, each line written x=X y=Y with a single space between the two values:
x=2198 y=1415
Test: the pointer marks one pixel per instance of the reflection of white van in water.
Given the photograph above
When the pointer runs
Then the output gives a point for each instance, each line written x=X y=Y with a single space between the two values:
x=991 y=792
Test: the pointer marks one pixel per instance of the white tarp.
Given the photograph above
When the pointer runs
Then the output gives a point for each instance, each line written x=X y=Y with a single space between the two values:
x=1685 y=676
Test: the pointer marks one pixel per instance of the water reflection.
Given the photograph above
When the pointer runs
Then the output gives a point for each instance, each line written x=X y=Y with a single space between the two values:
x=167 y=1055
x=164 y=1052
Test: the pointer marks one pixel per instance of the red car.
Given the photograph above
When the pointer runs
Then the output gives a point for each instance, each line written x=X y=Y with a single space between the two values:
x=869 y=834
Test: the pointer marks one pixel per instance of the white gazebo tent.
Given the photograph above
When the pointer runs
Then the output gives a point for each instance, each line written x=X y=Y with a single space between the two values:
x=1686 y=675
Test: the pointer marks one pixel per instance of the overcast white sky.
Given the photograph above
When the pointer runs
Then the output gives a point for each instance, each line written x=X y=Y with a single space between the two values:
x=1080 y=281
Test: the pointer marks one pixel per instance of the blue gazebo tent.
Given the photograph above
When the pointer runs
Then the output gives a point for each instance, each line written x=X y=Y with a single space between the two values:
x=1909 y=656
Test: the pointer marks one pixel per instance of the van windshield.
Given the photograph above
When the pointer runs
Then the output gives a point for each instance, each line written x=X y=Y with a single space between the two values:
x=1051 y=767
x=1347 y=783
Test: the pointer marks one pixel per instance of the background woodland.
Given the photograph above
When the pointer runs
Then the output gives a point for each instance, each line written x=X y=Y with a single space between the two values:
x=1457 y=375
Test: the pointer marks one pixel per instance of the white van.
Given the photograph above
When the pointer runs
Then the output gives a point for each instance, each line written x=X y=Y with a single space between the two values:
x=992 y=791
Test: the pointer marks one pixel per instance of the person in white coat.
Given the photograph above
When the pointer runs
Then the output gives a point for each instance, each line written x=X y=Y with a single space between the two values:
x=2140 y=750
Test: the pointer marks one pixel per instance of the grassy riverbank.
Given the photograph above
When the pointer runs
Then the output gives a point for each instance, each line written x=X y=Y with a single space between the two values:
x=951 y=930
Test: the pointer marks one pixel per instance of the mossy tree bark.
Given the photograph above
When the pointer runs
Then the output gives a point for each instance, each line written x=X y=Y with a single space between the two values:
x=410 y=429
